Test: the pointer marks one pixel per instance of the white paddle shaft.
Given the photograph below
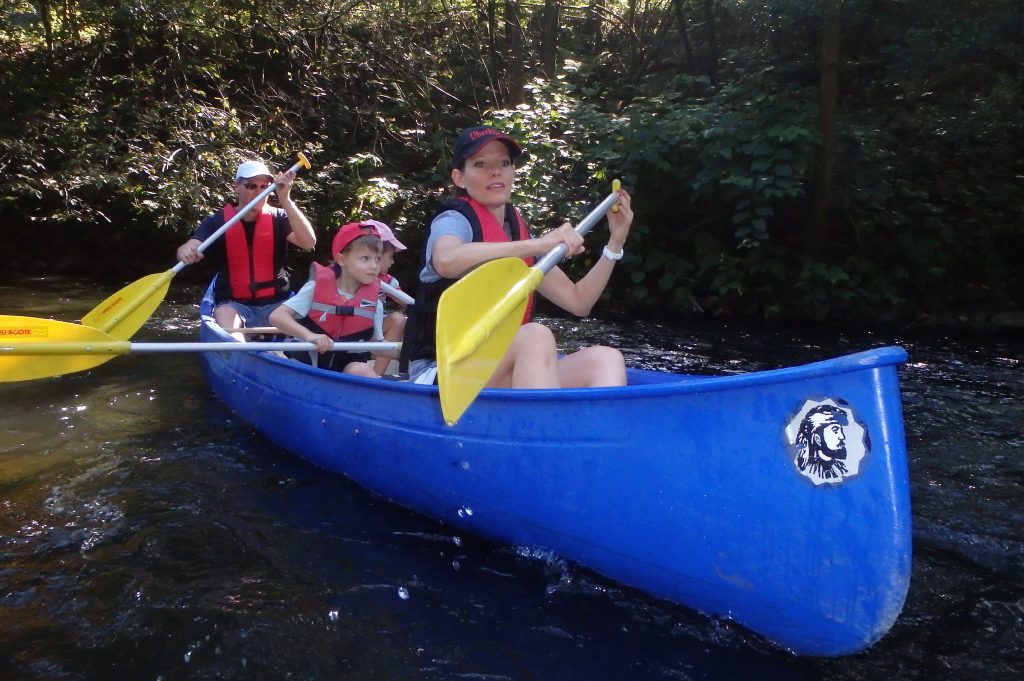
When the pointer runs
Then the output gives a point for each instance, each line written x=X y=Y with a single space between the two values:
x=125 y=347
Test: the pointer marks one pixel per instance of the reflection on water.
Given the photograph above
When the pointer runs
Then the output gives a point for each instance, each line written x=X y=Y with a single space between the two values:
x=147 y=533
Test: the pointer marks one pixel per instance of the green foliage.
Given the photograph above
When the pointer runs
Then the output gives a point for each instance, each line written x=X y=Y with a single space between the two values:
x=569 y=164
x=123 y=124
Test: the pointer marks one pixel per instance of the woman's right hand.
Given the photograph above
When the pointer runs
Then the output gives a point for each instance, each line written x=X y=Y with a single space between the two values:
x=564 y=234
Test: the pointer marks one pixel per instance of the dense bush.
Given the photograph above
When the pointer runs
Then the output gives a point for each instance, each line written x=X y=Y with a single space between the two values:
x=122 y=125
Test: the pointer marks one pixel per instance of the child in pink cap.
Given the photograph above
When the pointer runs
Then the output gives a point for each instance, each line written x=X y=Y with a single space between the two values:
x=394 y=322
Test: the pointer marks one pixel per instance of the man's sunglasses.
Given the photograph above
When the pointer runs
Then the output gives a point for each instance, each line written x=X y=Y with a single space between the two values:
x=255 y=185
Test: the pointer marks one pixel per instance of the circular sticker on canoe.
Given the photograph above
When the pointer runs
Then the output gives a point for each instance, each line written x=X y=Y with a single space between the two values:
x=827 y=441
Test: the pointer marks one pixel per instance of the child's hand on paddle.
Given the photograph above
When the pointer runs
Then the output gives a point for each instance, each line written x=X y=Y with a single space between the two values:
x=322 y=342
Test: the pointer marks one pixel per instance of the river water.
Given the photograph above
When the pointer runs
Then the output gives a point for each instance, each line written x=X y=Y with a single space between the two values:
x=146 y=533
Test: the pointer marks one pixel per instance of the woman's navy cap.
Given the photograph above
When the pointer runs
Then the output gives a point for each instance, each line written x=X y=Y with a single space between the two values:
x=471 y=140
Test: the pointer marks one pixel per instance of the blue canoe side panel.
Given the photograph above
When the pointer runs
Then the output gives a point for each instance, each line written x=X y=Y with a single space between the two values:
x=685 y=487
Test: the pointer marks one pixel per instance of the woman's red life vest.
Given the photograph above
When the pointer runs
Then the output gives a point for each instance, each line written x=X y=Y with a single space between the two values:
x=493 y=232
x=336 y=314
x=421 y=329
x=251 y=266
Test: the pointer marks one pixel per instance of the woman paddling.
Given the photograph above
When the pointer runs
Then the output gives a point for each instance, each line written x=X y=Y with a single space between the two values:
x=479 y=225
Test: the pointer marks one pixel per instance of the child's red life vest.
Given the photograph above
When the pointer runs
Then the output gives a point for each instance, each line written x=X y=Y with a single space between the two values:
x=337 y=315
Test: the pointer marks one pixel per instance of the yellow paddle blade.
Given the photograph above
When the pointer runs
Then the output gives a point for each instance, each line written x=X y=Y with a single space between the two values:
x=46 y=347
x=124 y=313
x=477 y=318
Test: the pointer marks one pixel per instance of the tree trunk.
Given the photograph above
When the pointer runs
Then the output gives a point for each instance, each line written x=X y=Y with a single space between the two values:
x=549 y=31
x=44 y=15
x=709 y=17
x=493 y=65
x=592 y=26
x=514 y=53
x=634 y=46
x=684 y=34
x=819 y=228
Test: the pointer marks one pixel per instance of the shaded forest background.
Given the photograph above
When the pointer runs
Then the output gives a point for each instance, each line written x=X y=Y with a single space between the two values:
x=842 y=160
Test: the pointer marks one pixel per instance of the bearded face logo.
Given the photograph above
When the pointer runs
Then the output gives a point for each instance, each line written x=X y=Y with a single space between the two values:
x=828 y=442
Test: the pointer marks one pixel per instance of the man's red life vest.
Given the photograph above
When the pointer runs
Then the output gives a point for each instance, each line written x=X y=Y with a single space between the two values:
x=336 y=314
x=251 y=266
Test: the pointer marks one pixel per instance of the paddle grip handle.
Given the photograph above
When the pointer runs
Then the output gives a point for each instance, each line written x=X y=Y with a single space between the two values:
x=555 y=255
x=302 y=163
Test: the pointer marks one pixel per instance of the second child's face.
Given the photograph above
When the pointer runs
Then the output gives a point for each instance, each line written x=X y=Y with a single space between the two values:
x=362 y=263
x=488 y=175
x=387 y=259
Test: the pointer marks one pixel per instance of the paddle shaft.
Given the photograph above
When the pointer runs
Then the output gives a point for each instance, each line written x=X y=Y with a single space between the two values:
x=302 y=163
x=126 y=347
x=397 y=293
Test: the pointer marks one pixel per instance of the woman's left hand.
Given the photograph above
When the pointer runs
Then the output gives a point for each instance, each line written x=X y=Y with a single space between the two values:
x=619 y=221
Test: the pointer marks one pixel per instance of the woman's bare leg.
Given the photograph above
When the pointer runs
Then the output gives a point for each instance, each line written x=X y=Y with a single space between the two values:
x=530 y=361
x=592 y=367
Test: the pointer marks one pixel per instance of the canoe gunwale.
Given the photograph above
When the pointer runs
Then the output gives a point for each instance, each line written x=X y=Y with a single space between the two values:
x=683 y=383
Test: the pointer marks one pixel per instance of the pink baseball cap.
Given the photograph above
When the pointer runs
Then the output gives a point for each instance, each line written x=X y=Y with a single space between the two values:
x=385 y=233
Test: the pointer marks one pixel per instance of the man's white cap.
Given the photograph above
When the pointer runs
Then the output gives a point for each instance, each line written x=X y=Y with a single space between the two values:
x=252 y=169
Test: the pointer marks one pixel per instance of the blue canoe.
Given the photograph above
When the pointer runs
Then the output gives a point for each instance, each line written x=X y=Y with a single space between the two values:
x=777 y=499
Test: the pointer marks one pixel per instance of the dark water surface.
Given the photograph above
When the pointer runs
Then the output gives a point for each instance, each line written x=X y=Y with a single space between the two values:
x=146 y=533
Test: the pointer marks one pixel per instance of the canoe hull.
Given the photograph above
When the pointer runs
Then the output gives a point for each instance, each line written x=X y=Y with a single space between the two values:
x=682 y=486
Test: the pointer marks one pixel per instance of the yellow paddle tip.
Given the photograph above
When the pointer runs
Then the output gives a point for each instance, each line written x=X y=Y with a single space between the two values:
x=616 y=186
x=303 y=161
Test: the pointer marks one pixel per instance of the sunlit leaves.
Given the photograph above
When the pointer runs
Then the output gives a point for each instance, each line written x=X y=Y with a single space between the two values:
x=133 y=115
